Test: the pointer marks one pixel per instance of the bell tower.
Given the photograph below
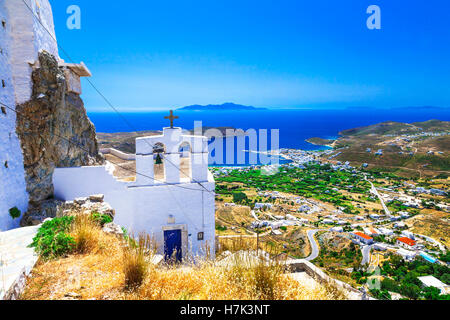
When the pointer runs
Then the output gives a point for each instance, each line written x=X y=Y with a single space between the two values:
x=184 y=158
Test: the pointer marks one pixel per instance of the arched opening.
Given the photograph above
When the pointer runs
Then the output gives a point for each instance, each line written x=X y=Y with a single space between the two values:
x=159 y=151
x=185 y=161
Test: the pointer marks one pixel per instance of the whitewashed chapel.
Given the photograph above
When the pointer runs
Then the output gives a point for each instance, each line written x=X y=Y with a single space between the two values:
x=172 y=198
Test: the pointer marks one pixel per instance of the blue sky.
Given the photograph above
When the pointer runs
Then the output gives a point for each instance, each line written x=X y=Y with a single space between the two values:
x=284 y=54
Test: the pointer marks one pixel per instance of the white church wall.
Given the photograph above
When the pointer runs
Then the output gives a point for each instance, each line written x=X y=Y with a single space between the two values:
x=28 y=38
x=21 y=39
x=199 y=163
x=146 y=209
x=12 y=175
x=42 y=39
x=145 y=169
x=193 y=207
x=71 y=183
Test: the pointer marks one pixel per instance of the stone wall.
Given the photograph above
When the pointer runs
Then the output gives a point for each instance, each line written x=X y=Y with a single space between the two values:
x=320 y=276
x=54 y=130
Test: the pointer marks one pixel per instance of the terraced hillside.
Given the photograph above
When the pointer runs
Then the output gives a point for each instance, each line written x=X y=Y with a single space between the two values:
x=416 y=149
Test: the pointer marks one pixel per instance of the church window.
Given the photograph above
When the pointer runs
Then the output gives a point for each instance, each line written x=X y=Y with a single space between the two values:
x=185 y=161
x=159 y=170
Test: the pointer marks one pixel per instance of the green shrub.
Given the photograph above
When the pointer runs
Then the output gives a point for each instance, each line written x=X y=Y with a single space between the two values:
x=221 y=228
x=101 y=219
x=125 y=233
x=52 y=239
x=239 y=197
x=15 y=213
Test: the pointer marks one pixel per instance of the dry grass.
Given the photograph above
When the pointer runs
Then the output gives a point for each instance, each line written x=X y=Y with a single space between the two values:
x=87 y=234
x=105 y=267
x=433 y=224
x=135 y=261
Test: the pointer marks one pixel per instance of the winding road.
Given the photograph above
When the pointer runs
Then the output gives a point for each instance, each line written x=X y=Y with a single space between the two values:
x=314 y=246
x=366 y=254
x=375 y=191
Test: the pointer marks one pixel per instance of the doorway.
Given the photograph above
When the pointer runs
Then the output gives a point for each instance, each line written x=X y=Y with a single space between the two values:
x=172 y=246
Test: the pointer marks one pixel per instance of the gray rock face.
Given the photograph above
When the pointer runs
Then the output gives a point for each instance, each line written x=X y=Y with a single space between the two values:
x=97 y=198
x=38 y=214
x=54 y=130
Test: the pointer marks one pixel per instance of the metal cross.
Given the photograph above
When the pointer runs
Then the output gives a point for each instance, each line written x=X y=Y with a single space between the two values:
x=171 y=118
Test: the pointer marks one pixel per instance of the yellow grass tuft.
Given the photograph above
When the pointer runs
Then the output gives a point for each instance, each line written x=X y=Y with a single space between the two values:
x=136 y=260
x=88 y=235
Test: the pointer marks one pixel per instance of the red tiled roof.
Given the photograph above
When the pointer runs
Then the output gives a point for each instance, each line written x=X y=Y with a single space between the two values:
x=408 y=241
x=362 y=235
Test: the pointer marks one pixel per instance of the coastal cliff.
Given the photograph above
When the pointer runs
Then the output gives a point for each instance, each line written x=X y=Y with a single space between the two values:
x=54 y=131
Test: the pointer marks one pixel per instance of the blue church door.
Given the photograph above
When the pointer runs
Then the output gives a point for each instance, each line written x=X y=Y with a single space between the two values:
x=172 y=245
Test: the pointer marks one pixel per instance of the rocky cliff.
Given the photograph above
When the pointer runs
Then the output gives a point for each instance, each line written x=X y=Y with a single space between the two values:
x=54 y=131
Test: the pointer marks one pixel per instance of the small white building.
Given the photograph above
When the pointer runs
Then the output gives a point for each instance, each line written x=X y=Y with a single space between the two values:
x=304 y=208
x=176 y=209
x=262 y=206
x=337 y=229
x=408 y=234
x=386 y=232
x=364 y=238
x=277 y=232
x=404 y=215
x=430 y=281
x=406 y=254
x=406 y=243
x=399 y=225
x=380 y=246
x=291 y=217
x=371 y=231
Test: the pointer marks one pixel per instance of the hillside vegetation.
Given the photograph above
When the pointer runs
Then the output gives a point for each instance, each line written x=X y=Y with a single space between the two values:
x=413 y=150
x=398 y=128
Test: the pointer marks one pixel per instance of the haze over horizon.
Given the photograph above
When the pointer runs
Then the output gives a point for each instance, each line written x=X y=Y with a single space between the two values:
x=290 y=54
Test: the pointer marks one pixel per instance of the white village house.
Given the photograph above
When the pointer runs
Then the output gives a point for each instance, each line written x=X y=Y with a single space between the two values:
x=177 y=210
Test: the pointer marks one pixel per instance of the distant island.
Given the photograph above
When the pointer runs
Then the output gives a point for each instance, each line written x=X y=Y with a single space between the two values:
x=222 y=107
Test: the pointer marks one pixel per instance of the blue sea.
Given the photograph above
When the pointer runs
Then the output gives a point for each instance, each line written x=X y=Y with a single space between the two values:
x=295 y=126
